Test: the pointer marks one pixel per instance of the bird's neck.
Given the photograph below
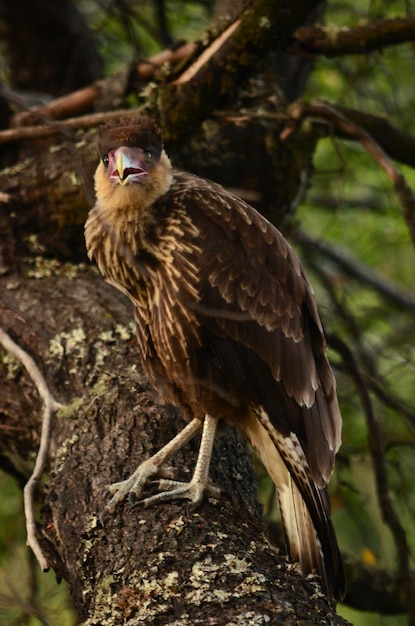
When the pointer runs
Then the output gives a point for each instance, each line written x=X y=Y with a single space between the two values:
x=117 y=226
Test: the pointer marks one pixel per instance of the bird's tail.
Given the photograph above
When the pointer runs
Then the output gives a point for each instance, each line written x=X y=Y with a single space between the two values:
x=315 y=548
x=304 y=507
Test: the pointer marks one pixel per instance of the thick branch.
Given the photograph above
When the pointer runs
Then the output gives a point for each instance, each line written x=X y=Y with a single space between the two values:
x=373 y=589
x=163 y=563
x=193 y=94
x=334 y=41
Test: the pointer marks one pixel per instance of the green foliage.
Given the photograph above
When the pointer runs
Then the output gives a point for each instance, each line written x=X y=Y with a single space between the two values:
x=352 y=205
x=27 y=595
x=131 y=32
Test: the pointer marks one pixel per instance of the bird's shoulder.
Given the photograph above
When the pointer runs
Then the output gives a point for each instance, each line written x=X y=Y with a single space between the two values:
x=200 y=196
x=245 y=257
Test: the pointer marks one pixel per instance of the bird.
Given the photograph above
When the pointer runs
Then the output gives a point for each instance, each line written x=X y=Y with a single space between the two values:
x=227 y=330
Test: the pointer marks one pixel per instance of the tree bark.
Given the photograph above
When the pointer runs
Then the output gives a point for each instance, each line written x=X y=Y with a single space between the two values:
x=159 y=565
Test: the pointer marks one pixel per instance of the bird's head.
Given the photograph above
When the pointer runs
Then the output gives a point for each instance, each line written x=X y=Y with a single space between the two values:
x=133 y=166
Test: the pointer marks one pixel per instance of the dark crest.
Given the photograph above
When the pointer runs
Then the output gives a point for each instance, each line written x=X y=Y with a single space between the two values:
x=139 y=132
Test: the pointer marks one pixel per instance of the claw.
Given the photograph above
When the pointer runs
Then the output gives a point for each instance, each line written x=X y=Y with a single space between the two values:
x=174 y=490
x=185 y=491
x=133 y=486
x=170 y=489
x=209 y=489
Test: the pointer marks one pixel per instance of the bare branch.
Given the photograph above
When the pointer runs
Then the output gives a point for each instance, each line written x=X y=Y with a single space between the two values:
x=83 y=100
x=334 y=41
x=398 y=144
x=54 y=128
x=302 y=110
x=50 y=407
x=365 y=276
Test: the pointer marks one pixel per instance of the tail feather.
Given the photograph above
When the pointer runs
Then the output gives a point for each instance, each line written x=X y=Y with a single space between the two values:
x=303 y=542
x=297 y=524
x=304 y=507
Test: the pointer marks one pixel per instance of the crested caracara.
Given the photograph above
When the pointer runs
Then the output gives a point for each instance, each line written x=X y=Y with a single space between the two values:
x=227 y=329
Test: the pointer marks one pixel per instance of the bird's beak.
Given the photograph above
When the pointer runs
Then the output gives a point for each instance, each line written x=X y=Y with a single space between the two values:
x=126 y=168
x=123 y=165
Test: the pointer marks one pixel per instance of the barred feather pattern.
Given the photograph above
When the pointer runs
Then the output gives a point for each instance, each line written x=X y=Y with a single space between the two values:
x=227 y=325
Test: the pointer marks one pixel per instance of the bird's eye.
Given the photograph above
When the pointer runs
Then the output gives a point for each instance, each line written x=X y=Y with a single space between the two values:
x=106 y=160
x=148 y=156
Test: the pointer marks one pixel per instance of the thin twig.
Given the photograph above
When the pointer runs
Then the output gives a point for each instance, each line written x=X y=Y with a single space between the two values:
x=50 y=407
x=327 y=112
x=357 y=270
x=376 y=448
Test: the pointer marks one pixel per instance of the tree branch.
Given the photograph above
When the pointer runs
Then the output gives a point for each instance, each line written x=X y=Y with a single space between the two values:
x=398 y=144
x=192 y=95
x=302 y=110
x=376 y=447
x=334 y=41
x=50 y=407
x=50 y=128
x=356 y=270
x=84 y=100
x=373 y=589
x=156 y=564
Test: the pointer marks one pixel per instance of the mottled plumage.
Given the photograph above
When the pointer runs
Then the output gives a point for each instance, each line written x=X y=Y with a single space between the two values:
x=227 y=327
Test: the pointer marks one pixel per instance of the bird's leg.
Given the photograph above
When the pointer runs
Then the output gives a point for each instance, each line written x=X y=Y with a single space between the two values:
x=199 y=484
x=135 y=483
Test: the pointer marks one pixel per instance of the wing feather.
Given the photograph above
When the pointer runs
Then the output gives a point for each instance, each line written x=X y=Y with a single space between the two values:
x=249 y=268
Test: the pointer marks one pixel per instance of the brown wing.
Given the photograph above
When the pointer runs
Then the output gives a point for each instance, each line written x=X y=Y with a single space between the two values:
x=262 y=343
x=257 y=299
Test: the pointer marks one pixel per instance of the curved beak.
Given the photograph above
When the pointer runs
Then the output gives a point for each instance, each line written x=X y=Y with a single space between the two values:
x=127 y=167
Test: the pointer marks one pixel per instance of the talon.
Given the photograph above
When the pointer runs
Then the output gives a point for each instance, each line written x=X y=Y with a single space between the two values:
x=133 y=500
x=102 y=517
x=194 y=490
x=174 y=490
